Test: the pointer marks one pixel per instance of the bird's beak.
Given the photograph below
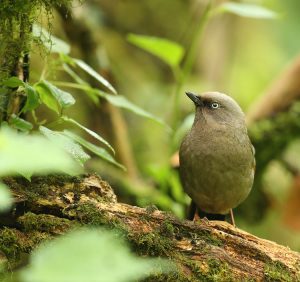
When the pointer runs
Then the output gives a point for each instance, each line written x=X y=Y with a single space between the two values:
x=196 y=99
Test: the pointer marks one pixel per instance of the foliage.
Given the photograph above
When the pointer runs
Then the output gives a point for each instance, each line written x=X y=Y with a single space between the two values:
x=98 y=151
x=172 y=53
x=44 y=92
x=52 y=94
x=16 y=20
x=181 y=61
x=247 y=10
x=88 y=255
x=49 y=41
x=95 y=94
x=21 y=154
x=237 y=64
x=169 y=52
x=56 y=99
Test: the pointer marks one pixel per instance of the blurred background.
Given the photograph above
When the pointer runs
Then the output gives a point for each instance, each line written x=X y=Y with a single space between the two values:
x=250 y=55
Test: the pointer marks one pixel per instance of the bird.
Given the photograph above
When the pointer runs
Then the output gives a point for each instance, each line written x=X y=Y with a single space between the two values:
x=216 y=157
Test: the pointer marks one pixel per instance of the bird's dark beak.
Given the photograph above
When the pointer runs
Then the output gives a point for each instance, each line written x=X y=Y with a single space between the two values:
x=196 y=99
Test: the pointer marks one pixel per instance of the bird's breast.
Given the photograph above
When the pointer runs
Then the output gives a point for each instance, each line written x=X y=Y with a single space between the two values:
x=216 y=167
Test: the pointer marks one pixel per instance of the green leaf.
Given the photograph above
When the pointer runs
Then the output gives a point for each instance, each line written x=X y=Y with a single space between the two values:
x=12 y=82
x=46 y=97
x=52 y=43
x=28 y=154
x=64 y=98
x=27 y=175
x=6 y=199
x=90 y=132
x=94 y=74
x=100 y=152
x=19 y=123
x=74 y=75
x=74 y=149
x=247 y=10
x=32 y=100
x=89 y=255
x=59 y=46
x=122 y=102
x=168 y=51
x=89 y=91
x=54 y=97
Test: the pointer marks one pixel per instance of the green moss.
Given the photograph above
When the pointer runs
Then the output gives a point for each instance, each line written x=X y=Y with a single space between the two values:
x=40 y=186
x=204 y=235
x=151 y=208
x=218 y=271
x=170 y=277
x=16 y=246
x=167 y=229
x=277 y=271
x=13 y=243
x=16 y=20
x=210 y=270
x=10 y=243
x=45 y=223
x=151 y=243
x=56 y=179
x=37 y=237
x=37 y=191
x=210 y=238
x=89 y=214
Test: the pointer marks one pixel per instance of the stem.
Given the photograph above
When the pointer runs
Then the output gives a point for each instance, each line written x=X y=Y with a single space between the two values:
x=189 y=61
x=44 y=71
x=26 y=62
x=123 y=142
x=21 y=67
x=71 y=85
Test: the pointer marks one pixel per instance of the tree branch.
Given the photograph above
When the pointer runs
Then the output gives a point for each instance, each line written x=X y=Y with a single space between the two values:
x=215 y=251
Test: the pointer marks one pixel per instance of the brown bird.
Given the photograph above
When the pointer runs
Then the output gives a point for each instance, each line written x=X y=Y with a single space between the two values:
x=216 y=157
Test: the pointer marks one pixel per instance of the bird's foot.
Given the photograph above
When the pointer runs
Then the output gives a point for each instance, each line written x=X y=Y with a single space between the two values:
x=196 y=217
x=232 y=218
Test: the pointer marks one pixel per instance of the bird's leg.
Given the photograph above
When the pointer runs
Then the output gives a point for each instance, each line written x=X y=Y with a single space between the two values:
x=196 y=216
x=192 y=209
x=232 y=218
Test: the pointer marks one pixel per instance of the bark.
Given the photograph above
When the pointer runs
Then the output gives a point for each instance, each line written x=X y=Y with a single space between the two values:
x=203 y=251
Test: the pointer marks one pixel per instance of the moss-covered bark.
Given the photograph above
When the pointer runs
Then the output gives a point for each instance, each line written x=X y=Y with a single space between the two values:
x=206 y=251
x=16 y=20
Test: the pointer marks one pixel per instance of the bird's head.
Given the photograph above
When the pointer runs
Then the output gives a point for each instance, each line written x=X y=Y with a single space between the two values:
x=217 y=108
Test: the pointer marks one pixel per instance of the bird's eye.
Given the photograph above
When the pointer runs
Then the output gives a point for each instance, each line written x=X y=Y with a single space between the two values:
x=215 y=105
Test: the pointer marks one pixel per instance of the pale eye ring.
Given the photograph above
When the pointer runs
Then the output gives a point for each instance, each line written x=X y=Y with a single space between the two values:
x=215 y=105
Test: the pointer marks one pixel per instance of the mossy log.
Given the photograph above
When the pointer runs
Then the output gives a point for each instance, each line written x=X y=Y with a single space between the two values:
x=203 y=251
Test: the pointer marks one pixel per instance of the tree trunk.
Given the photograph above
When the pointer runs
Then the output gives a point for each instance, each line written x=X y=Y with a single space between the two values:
x=203 y=251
